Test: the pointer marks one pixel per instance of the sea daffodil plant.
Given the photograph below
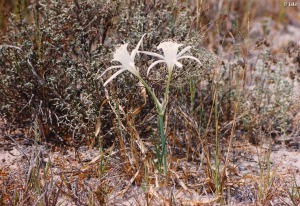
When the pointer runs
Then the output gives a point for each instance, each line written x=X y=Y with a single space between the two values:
x=171 y=58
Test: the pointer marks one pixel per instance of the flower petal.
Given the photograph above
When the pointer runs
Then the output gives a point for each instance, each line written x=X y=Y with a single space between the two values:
x=114 y=75
x=153 y=64
x=153 y=54
x=122 y=55
x=183 y=51
x=190 y=57
x=169 y=45
x=133 y=69
x=177 y=63
x=134 y=52
x=110 y=68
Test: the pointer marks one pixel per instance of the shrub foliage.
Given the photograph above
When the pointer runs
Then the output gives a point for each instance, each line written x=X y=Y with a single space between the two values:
x=49 y=61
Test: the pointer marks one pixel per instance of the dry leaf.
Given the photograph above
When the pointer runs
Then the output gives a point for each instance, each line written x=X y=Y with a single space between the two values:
x=180 y=181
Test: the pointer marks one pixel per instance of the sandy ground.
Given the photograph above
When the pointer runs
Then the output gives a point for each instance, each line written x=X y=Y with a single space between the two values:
x=285 y=161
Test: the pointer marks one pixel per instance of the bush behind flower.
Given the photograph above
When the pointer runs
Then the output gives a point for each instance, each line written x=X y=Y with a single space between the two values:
x=51 y=78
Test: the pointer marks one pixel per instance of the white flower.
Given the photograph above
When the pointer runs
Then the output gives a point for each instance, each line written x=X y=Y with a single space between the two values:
x=127 y=61
x=170 y=50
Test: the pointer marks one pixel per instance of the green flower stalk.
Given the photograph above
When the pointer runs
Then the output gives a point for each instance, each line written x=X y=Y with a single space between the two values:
x=171 y=57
